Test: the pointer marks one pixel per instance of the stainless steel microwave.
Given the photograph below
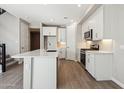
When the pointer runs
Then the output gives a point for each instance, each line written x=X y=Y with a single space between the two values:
x=88 y=35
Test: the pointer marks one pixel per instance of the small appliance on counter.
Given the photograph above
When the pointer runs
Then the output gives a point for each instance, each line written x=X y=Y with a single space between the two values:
x=83 y=53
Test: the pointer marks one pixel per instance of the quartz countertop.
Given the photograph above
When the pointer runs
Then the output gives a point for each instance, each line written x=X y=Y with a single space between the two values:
x=36 y=53
x=102 y=52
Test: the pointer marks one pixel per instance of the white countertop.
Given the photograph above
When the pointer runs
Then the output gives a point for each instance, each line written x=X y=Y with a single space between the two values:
x=102 y=52
x=36 y=53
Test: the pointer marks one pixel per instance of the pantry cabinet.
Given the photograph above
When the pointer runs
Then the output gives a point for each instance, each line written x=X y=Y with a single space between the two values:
x=99 y=65
x=49 y=31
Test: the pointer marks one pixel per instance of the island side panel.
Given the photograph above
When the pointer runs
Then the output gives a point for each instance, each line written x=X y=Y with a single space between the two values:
x=27 y=73
x=44 y=73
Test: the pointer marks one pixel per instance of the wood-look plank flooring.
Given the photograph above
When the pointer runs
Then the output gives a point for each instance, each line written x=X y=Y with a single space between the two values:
x=70 y=76
x=12 y=78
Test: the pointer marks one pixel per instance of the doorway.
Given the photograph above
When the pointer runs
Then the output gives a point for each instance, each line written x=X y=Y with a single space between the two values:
x=71 y=49
x=24 y=36
x=34 y=39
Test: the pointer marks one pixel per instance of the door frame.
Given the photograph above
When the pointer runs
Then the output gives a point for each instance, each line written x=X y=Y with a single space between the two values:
x=33 y=30
x=25 y=22
x=72 y=27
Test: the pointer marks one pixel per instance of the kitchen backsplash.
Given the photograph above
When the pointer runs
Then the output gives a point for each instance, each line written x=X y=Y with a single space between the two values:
x=104 y=45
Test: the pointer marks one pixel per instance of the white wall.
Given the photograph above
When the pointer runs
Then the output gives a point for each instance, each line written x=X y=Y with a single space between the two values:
x=9 y=32
x=118 y=37
x=106 y=45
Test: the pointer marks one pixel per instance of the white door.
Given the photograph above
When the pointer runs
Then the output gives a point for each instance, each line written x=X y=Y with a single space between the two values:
x=71 y=40
x=24 y=36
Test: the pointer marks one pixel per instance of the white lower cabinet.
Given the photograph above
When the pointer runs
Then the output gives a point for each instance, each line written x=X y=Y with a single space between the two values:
x=90 y=64
x=99 y=65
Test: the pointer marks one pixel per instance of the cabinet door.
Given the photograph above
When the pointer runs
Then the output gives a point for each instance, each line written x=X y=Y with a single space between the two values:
x=44 y=73
x=61 y=35
x=98 y=24
x=87 y=62
x=49 y=31
x=90 y=64
x=53 y=31
x=84 y=28
x=46 y=31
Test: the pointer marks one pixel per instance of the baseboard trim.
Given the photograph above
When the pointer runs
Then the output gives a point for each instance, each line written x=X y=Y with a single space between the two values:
x=118 y=82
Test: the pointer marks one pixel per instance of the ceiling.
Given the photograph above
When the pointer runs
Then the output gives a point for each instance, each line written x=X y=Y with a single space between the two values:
x=52 y=14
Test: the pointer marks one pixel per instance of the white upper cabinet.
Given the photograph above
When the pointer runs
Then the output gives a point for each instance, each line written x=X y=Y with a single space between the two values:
x=84 y=28
x=61 y=34
x=100 y=23
x=49 y=31
x=95 y=22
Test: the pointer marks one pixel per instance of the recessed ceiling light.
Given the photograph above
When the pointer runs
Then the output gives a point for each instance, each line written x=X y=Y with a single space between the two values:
x=51 y=19
x=79 y=5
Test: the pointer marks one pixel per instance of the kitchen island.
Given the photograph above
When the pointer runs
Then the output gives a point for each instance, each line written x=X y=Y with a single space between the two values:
x=39 y=69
